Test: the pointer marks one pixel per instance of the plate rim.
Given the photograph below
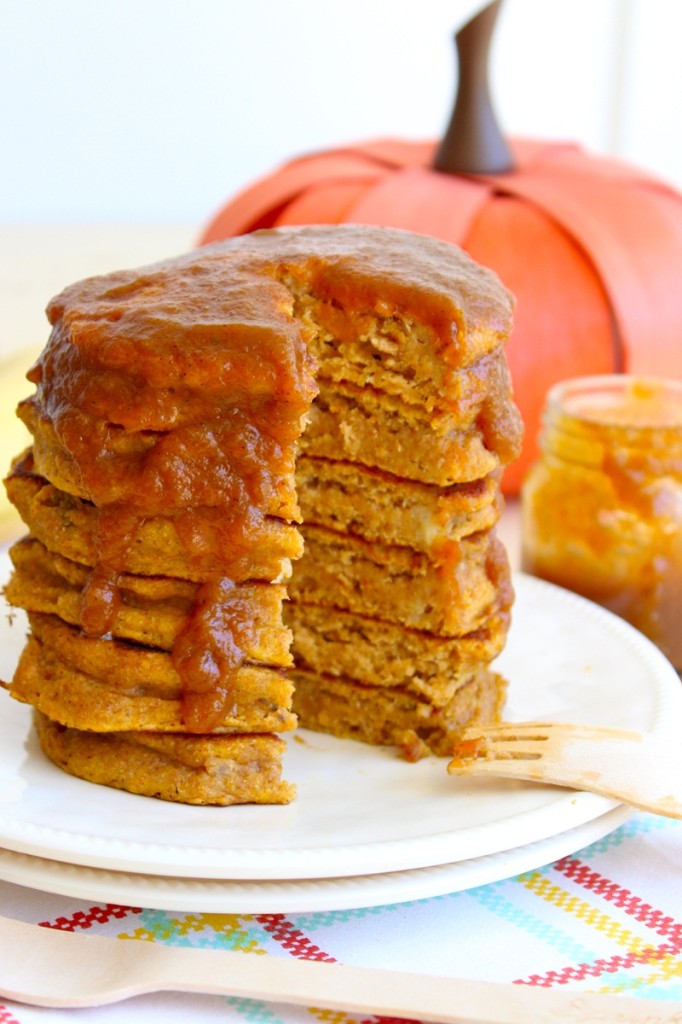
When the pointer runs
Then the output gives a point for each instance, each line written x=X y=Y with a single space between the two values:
x=307 y=895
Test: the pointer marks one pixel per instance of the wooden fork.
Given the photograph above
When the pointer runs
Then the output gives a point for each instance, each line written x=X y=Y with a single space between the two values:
x=636 y=768
x=52 y=968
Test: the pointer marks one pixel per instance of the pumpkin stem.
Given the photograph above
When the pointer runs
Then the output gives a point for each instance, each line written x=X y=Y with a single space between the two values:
x=473 y=142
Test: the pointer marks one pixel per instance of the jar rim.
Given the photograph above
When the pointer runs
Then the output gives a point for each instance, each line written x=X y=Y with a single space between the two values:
x=620 y=401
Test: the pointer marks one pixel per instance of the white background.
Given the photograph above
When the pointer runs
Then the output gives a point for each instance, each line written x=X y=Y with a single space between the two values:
x=157 y=110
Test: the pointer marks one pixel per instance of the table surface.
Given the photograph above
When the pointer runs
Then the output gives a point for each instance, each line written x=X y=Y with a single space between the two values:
x=605 y=918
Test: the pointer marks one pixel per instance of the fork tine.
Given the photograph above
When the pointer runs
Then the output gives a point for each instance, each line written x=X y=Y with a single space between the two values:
x=503 y=729
x=505 y=749
x=501 y=740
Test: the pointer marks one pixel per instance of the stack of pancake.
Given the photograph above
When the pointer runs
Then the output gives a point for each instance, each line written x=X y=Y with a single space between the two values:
x=187 y=417
x=402 y=596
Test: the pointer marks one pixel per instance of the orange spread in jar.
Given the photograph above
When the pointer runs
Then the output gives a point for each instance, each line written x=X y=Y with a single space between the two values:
x=602 y=508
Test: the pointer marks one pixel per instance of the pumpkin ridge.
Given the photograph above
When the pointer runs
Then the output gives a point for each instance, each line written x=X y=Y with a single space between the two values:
x=630 y=271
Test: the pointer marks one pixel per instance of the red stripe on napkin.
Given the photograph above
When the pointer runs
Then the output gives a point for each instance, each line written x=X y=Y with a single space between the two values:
x=583 y=875
x=644 y=913
x=86 y=919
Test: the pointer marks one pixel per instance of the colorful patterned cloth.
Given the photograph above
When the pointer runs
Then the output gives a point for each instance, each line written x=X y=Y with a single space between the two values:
x=606 y=919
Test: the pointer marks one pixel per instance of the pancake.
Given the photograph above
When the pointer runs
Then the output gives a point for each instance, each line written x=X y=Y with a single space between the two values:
x=360 y=425
x=259 y=699
x=219 y=770
x=153 y=610
x=393 y=717
x=348 y=497
x=381 y=653
x=392 y=352
x=133 y=668
x=127 y=454
x=397 y=584
x=160 y=545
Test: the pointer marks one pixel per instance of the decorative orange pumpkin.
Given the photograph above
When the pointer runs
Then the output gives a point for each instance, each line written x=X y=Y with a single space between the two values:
x=591 y=247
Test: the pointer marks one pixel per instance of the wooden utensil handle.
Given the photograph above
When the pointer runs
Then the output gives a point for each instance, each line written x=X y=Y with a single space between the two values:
x=46 y=967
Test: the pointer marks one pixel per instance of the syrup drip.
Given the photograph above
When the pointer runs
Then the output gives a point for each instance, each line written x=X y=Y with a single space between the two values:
x=209 y=649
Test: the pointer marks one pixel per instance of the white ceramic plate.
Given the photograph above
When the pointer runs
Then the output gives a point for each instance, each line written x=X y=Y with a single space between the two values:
x=360 y=810
x=217 y=896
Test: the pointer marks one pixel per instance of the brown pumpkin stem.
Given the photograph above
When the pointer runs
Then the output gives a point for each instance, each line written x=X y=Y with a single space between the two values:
x=473 y=142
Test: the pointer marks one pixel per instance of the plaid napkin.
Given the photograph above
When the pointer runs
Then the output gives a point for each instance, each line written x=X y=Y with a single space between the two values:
x=605 y=919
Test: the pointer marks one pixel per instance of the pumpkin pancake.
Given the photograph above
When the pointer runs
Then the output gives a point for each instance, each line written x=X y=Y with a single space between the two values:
x=348 y=497
x=361 y=425
x=380 y=653
x=260 y=698
x=125 y=454
x=160 y=546
x=219 y=770
x=449 y=597
x=153 y=610
x=393 y=717
x=131 y=667
x=395 y=354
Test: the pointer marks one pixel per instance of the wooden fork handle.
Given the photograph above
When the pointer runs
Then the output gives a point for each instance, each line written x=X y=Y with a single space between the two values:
x=46 y=967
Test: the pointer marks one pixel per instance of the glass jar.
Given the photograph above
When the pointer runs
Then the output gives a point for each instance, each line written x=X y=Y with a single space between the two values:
x=601 y=510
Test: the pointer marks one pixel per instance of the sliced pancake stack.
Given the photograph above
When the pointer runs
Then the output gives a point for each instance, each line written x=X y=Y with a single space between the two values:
x=402 y=596
x=167 y=477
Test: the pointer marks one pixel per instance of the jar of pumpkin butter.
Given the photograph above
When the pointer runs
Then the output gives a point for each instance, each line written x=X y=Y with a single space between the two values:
x=601 y=510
